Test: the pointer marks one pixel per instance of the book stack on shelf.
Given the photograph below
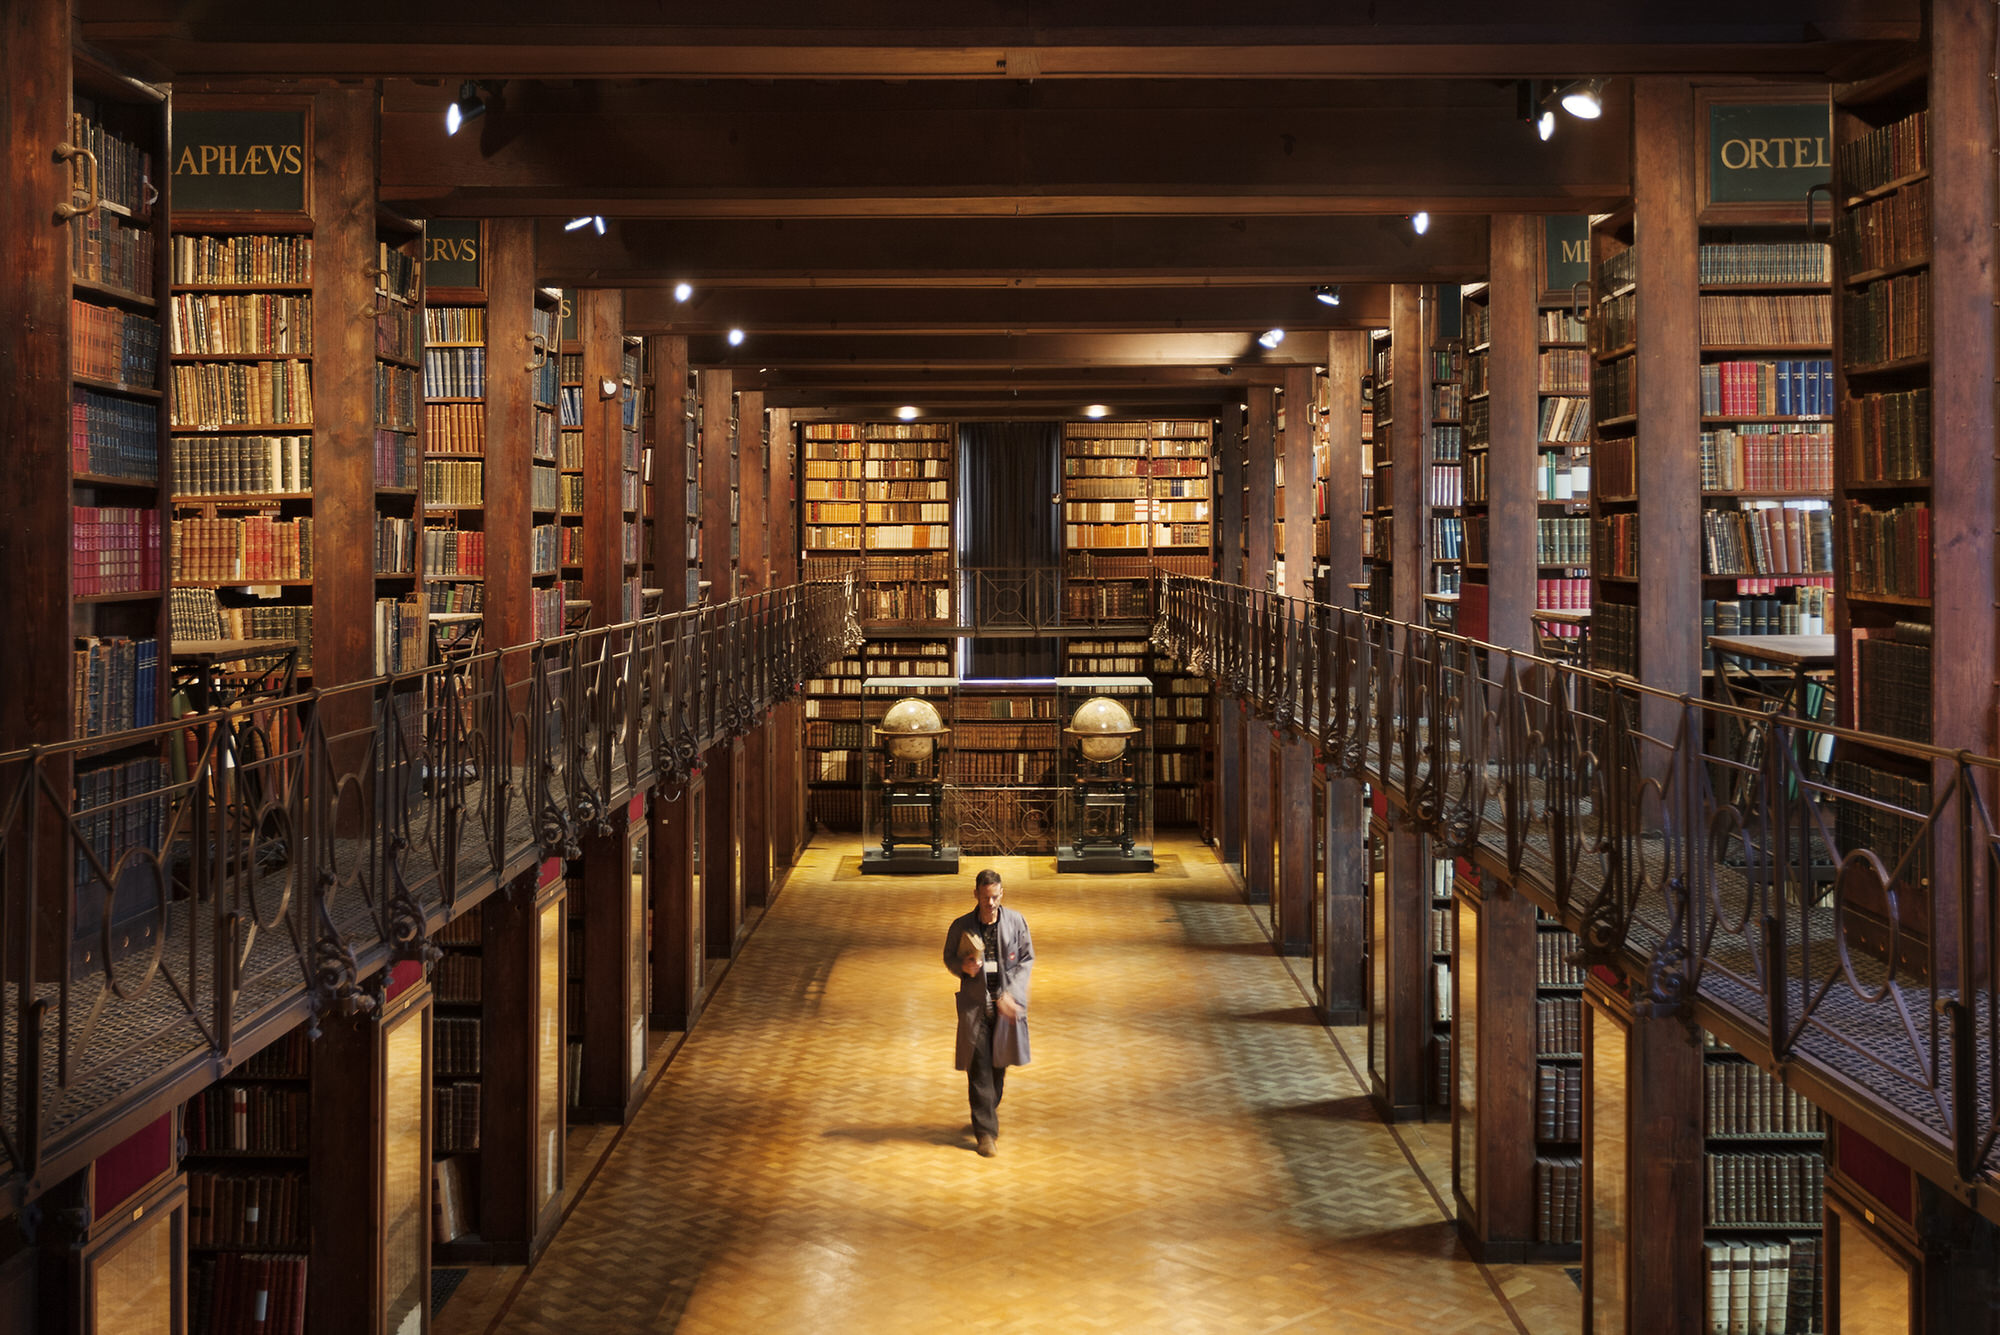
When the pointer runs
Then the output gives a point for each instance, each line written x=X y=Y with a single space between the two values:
x=401 y=640
x=242 y=422
x=631 y=467
x=1765 y=1167
x=1614 y=423
x=691 y=442
x=1004 y=750
x=1558 y=1090
x=1380 y=489
x=1563 y=462
x=248 y=1232
x=1475 y=441
x=454 y=476
x=569 y=464
x=457 y=986
x=833 y=741
x=544 y=481
x=832 y=464
x=1443 y=913
x=908 y=495
x=1136 y=498
x=1444 y=450
x=1180 y=746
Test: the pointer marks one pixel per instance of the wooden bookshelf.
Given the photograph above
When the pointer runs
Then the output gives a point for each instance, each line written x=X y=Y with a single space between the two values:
x=631 y=478
x=1004 y=754
x=1137 y=496
x=545 y=596
x=403 y=359
x=1441 y=920
x=832 y=461
x=569 y=460
x=1558 y=1091
x=459 y=995
x=909 y=498
x=1379 y=485
x=1614 y=495
x=1445 y=395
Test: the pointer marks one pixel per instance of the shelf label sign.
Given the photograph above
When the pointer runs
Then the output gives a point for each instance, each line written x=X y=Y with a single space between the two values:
x=1768 y=152
x=240 y=161
x=1565 y=252
x=452 y=253
x=569 y=330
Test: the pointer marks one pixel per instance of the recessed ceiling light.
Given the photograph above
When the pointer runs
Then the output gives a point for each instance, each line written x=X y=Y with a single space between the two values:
x=1271 y=338
x=1584 y=99
x=735 y=338
x=908 y=412
x=1420 y=222
x=682 y=291
x=1097 y=410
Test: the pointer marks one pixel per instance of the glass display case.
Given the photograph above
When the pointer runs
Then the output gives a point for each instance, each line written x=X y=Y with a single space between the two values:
x=1104 y=771
x=909 y=818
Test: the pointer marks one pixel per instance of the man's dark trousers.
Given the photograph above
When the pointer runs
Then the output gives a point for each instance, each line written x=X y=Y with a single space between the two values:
x=985 y=1083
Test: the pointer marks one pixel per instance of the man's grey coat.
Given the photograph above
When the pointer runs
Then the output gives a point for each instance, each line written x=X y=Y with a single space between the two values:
x=1017 y=958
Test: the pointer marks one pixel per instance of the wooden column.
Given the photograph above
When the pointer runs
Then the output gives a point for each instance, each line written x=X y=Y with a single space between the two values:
x=510 y=444
x=1669 y=393
x=668 y=353
x=1292 y=895
x=722 y=883
x=1493 y=1132
x=1344 y=932
x=782 y=542
x=601 y=322
x=1402 y=955
x=611 y=1080
x=1259 y=515
x=1409 y=336
x=1228 y=447
x=756 y=577
x=1643 y=1168
x=680 y=946
x=1514 y=375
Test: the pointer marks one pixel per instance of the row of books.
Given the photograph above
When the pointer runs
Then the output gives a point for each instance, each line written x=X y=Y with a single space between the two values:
x=395 y=329
x=1441 y=922
x=1893 y=680
x=1742 y=1100
x=113 y=437
x=395 y=545
x=454 y=373
x=1887 y=232
x=120 y=170
x=1558 y=1026
x=572 y=494
x=115 y=811
x=442 y=597
x=570 y=405
x=979 y=769
x=899 y=491
x=455 y=979
x=400 y=627
x=1448 y=403
x=237 y=1118
x=903 y=602
x=210 y=395
x=1801 y=262
x=1563 y=595
x=1555 y=963
x=396 y=459
x=1447 y=538
x=242 y=260
x=241 y=465
x=1889 y=818
x=1766 y=1187
x=836 y=809
x=246 y=1210
x=1564 y=371
x=1892 y=153
x=215 y=322
x=1446 y=485
x=1796 y=388
x=454 y=482
x=256 y=549
x=1889 y=551
x=1176 y=767
x=1768 y=538
x=192 y=620
x=1558 y=1199
x=454 y=324
x=455 y=428
x=1804 y=320
x=1617 y=320
x=1441 y=993
x=1887 y=320
x=113 y=345
x=395 y=397
x=1889 y=435
x=1562 y=540
x=1763 y=1287
x=835 y=767
x=455 y=1117
x=115 y=549
x=1447 y=445
x=1767 y=458
x=237 y=1294
x=1761 y=616
x=455 y=553
x=456 y=1041
x=1095 y=665
x=1563 y=326
x=1614 y=637
x=106 y=249
x=545 y=613
x=1558 y=1103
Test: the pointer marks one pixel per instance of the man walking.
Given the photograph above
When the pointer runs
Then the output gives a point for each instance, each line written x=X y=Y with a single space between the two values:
x=991 y=953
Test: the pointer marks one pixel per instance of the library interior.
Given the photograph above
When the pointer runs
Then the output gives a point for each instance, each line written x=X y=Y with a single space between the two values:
x=1410 y=538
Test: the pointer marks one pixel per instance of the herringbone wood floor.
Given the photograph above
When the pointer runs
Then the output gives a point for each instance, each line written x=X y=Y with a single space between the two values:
x=1188 y=1152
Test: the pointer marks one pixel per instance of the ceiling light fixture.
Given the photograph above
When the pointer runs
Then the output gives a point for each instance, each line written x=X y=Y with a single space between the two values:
x=1420 y=222
x=1327 y=294
x=1545 y=125
x=469 y=105
x=735 y=338
x=1097 y=410
x=909 y=412
x=587 y=220
x=1584 y=99
x=1271 y=338
x=682 y=291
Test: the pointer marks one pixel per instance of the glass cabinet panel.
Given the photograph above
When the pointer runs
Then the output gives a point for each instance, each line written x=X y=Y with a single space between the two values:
x=406 y=1204
x=1607 y=1149
x=549 y=1052
x=1465 y=1051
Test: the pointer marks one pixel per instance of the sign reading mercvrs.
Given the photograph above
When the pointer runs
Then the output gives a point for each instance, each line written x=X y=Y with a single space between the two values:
x=1566 y=251
x=451 y=253
x=1767 y=152
x=240 y=162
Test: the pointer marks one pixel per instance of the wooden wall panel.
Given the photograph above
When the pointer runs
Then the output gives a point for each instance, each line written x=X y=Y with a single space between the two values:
x=510 y=444
x=1259 y=516
x=1513 y=369
x=756 y=577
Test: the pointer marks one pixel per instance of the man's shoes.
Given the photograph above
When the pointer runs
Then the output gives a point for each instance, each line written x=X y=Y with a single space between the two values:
x=987 y=1147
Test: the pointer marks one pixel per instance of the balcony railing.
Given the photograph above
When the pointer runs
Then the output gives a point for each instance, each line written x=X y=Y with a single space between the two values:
x=929 y=594
x=175 y=894
x=1826 y=892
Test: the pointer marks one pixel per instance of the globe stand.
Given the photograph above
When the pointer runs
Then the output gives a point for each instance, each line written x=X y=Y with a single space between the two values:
x=913 y=841
x=1107 y=815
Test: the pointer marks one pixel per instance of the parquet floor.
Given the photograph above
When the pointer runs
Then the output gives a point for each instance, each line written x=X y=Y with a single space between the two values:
x=1189 y=1152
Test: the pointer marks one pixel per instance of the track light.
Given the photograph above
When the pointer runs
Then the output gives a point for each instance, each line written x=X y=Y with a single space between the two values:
x=1327 y=294
x=587 y=220
x=1097 y=410
x=1420 y=222
x=909 y=412
x=1584 y=99
x=468 y=106
x=682 y=291
x=1271 y=338
x=1545 y=125
x=736 y=338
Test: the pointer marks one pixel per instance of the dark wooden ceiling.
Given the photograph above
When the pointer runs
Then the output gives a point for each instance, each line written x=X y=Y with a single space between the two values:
x=1001 y=206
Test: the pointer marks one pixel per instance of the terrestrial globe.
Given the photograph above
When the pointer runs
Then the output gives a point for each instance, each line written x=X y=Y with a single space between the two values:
x=1101 y=727
x=911 y=729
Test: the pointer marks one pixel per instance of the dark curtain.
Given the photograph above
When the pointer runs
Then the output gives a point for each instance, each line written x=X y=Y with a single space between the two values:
x=1006 y=475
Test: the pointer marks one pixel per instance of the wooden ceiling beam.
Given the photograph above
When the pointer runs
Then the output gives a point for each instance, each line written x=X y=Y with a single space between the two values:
x=984 y=251
x=905 y=352
x=680 y=150
x=1085 y=383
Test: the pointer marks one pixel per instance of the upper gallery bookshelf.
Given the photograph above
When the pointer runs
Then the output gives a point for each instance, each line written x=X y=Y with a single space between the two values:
x=401 y=502
x=1614 y=495
x=1444 y=445
x=1379 y=490
x=569 y=460
x=879 y=498
x=544 y=481
x=1137 y=496
x=631 y=476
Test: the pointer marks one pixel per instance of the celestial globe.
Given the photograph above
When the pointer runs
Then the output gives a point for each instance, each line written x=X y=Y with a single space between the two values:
x=1101 y=727
x=910 y=729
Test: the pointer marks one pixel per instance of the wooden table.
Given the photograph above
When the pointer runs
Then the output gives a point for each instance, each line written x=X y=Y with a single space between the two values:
x=1358 y=590
x=1800 y=655
x=197 y=667
x=1571 y=649
x=455 y=634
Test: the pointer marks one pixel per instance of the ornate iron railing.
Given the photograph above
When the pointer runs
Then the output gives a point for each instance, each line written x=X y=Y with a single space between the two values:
x=1828 y=891
x=173 y=893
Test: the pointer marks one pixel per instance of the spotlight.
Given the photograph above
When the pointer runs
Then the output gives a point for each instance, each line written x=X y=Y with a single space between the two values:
x=1097 y=410
x=1584 y=99
x=587 y=220
x=682 y=291
x=469 y=106
x=1420 y=222
x=1327 y=294
x=908 y=412
x=1545 y=125
x=735 y=338
x=1271 y=338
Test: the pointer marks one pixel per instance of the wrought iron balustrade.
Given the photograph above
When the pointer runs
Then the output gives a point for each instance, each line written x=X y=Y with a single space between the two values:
x=1828 y=891
x=174 y=894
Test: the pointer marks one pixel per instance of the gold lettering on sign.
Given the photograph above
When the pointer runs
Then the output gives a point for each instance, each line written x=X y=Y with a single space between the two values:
x=447 y=249
x=1573 y=252
x=1784 y=154
x=248 y=160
